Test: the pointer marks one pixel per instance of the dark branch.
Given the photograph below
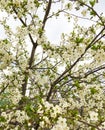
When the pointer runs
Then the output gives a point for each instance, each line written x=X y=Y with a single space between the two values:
x=4 y=89
x=47 y=13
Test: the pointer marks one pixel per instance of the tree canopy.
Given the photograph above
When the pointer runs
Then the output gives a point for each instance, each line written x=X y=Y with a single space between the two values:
x=46 y=85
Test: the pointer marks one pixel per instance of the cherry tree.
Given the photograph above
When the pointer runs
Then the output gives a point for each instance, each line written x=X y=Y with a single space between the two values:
x=46 y=85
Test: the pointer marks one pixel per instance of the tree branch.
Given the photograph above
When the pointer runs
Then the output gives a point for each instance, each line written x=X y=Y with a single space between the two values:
x=88 y=124
x=32 y=41
x=46 y=13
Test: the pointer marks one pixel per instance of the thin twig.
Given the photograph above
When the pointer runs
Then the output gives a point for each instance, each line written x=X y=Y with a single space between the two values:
x=89 y=124
x=85 y=18
x=4 y=89
x=91 y=8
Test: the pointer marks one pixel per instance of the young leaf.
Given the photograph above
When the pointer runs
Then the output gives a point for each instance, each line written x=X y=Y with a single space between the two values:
x=92 y=2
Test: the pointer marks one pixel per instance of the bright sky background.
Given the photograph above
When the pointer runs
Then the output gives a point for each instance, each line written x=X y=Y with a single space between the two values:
x=54 y=26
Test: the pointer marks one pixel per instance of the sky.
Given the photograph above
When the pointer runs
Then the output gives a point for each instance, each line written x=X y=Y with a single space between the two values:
x=55 y=27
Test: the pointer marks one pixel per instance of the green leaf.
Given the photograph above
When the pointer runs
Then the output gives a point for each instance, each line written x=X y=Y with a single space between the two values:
x=5 y=41
x=74 y=113
x=68 y=5
x=93 y=13
x=79 y=40
x=37 y=3
x=95 y=48
x=2 y=119
x=77 y=84
x=40 y=31
x=93 y=129
x=93 y=90
x=92 y=2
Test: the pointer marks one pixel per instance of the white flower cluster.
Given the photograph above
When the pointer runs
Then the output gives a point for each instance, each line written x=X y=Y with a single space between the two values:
x=21 y=116
x=5 y=56
x=15 y=95
x=85 y=104
x=93 y=115
x=48 y=109
x=17 y=116
x=61 y=124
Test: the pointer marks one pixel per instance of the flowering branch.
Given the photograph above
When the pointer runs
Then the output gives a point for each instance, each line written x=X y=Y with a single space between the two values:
x=60 y=78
